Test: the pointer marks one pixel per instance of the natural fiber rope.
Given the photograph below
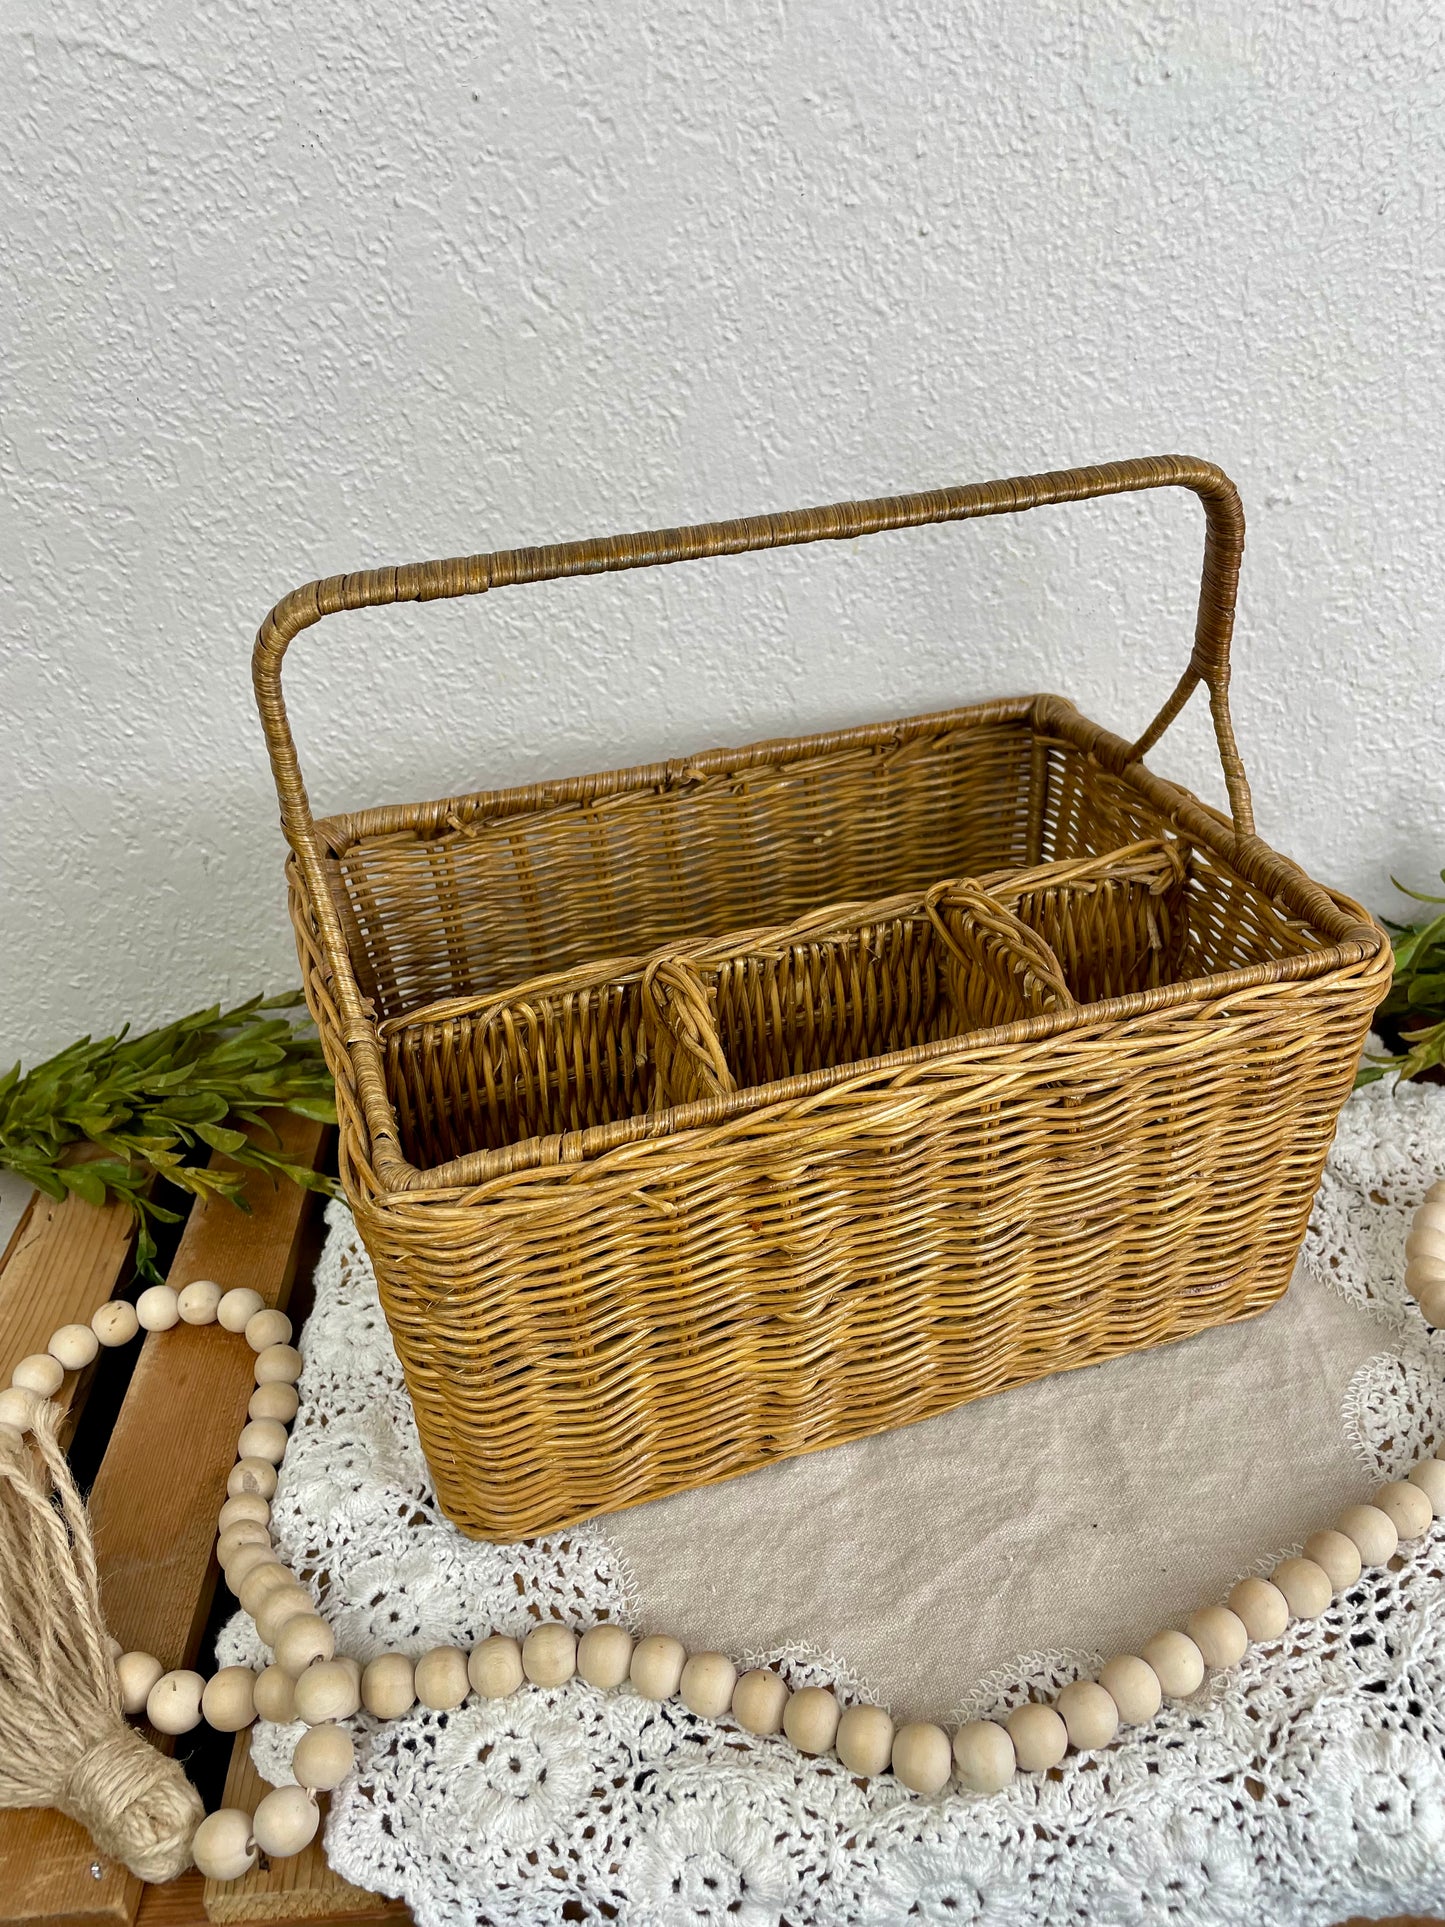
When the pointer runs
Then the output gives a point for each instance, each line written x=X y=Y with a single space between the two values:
x=63 y=1738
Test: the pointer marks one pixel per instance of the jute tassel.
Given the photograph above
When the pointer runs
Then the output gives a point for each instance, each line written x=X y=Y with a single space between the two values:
x=64 y=1741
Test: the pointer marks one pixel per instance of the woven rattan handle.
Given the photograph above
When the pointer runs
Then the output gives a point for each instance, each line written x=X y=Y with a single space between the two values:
x=470 y=575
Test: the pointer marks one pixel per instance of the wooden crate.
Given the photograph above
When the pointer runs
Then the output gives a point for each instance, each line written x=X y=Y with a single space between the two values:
x=160 y=1483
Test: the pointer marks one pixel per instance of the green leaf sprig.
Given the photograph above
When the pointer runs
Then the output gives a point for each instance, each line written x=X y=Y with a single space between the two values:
x=1415 y=1006
x=159 y=1103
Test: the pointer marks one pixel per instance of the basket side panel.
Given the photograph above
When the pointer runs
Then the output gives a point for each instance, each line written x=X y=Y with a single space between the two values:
x=498 y=901
x=705 y=1304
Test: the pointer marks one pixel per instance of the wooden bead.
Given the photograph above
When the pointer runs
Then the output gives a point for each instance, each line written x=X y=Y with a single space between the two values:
x=18 y=1407
x=657 y=1663
x=758 y=1701
x=262 y=1438
x=1373 y=1532
x=1429 y=1475
x=1306 y=1587
x=302 y=1641
x=137 y=1673
x=1178 y=1663
x=268 y=1328
x=1335 y=1555
x=173 y=1704
x=1089 y=1715
x=242 y=1559
x=810 y=1719
x=1219 y=1634
x=238 y=1307
x=198 y=1301
x=324 y=1756
x=1040 y=1737
x=1423 y=1274
x=278 y=1365
x=275 y=1695
x=983 y=1756
x=156 y=1309
x=1430 y=1297
x=229 y=1702
x=278 y=1608
x=114 y=1323
x=75 y=1346
x=549 y=1654
x=604 y=1654
x=1426 y=1239
x=1133 y=1686
x=285 y=1822
x=494 y=1666
x=441 y=1679
x=922 y=1757
x=245 y=1532
x=252 y=1475
x=1430 y=1210
x=1262 y=1608
x=865 y=1739
x=707 y=1683
x=223 y=1848
x=259 y=1584
x=1406 y=1506
x=327 y=1691
x=388 y=1686
x=250 y=1508
x=274 y=1401
x=39 y=1373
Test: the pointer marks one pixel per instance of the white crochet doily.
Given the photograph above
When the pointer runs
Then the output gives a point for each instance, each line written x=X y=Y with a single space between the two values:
x=1304 y=1786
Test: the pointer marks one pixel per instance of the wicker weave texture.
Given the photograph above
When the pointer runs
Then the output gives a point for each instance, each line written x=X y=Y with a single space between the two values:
x=707 y=1113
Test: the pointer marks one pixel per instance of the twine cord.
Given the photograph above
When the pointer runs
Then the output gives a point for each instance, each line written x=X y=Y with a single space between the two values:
x=64 y=1741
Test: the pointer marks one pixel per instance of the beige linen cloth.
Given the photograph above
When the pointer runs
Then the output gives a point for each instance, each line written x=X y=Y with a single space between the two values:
x=1083 y=1512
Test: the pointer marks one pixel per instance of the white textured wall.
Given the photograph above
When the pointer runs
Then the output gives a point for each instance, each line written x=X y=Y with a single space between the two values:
x=294 y=290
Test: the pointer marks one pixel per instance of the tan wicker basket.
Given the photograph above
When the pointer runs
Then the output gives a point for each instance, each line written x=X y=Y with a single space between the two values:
x=669 y=1170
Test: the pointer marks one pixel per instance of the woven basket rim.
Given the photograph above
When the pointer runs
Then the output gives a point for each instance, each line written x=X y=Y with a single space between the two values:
x=1356 y=935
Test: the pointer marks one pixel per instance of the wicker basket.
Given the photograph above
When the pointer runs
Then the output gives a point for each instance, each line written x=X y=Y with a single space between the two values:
x=669 y=1170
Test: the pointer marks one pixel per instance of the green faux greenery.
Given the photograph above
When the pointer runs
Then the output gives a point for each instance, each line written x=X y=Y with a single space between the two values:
x=1413 y=1015
x=160 y=1103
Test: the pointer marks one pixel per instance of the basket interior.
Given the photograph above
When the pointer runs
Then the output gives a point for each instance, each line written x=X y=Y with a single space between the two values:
x=492 y=900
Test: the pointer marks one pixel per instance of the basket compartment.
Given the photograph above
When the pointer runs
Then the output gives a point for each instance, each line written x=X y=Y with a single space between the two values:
x=590 y=1049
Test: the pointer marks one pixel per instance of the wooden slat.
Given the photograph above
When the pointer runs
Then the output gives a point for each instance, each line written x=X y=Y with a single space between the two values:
x=63 y=1260
x=301 y=1888
x=154 y=1508
x=181 y=1904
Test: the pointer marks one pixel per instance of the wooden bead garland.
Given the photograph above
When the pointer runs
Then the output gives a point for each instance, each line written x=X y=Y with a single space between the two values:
x=308 y=1682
